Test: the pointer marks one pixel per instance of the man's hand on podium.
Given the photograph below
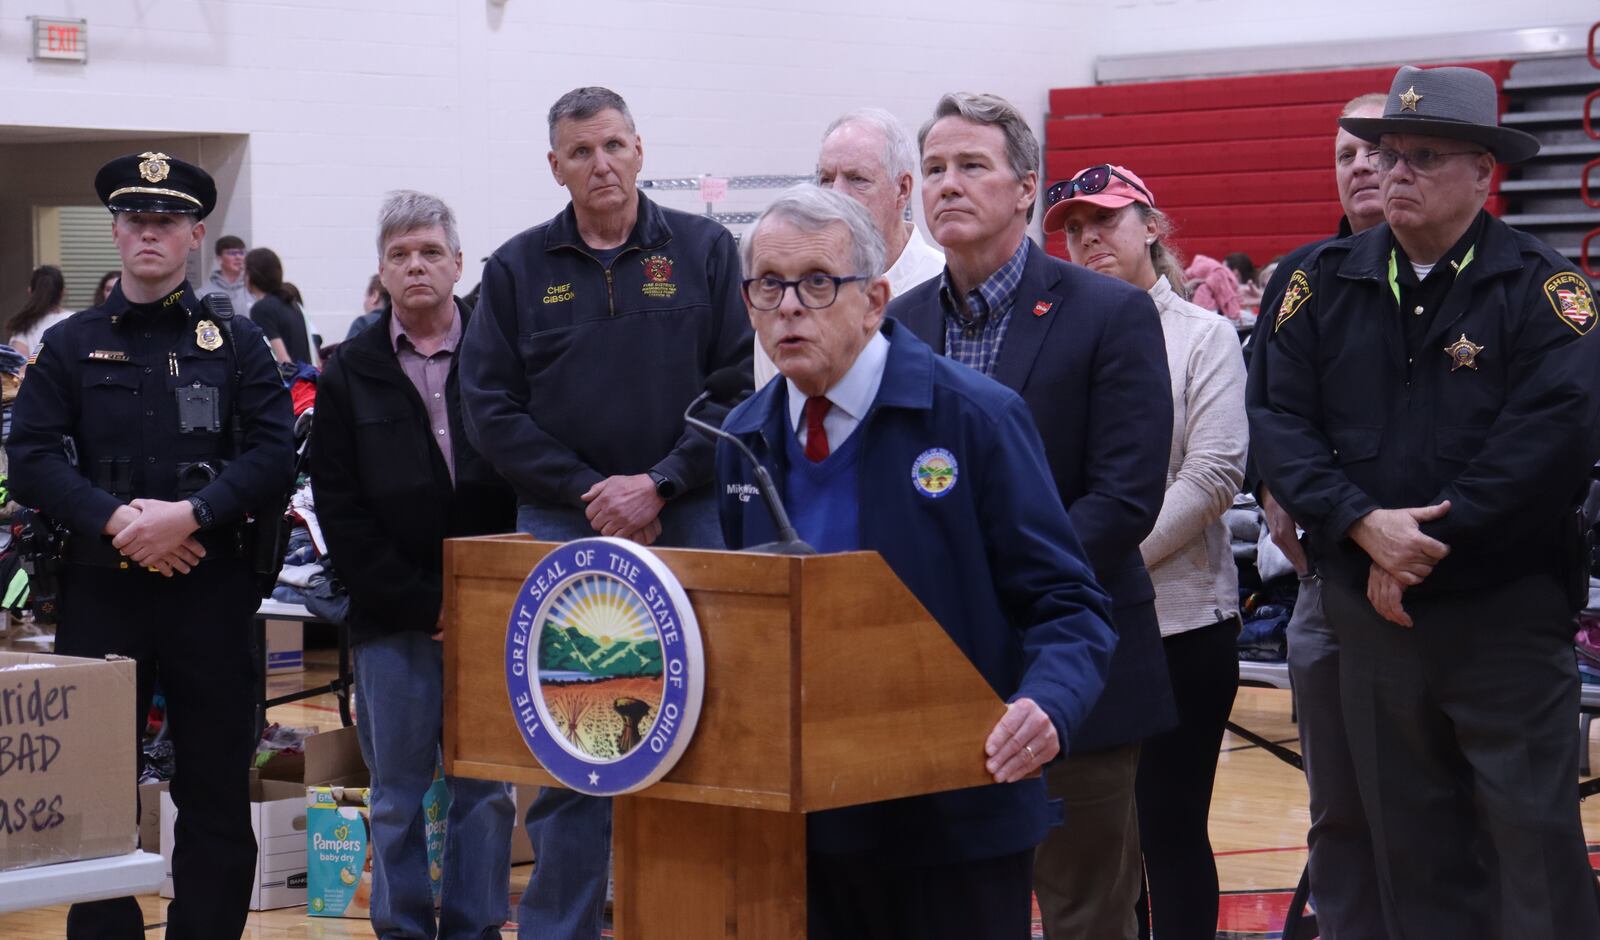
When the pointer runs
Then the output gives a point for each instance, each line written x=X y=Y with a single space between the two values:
x=1024 y=741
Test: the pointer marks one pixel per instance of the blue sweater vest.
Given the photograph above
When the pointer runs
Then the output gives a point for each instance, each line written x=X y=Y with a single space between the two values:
x=822 y=497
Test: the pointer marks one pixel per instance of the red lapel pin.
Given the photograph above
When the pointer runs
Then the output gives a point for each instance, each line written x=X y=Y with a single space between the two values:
x=1042 y=307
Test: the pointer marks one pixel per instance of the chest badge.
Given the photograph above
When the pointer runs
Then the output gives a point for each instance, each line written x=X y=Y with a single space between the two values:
x=658 y=277
x=934 y=472
x=207 y=336
x=1463 y=352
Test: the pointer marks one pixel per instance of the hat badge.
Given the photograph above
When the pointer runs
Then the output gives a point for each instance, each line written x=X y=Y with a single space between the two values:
x=154 y=168
x=1409 y=99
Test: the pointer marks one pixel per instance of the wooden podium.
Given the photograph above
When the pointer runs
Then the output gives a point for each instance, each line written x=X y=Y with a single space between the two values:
x=827 y=685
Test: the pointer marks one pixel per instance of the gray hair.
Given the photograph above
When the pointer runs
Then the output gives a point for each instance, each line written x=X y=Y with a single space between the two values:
x=406 y=210
x=898 y=156
x=1372 y=99
x=812 y=207
x=1022 y=147
x=580 y=104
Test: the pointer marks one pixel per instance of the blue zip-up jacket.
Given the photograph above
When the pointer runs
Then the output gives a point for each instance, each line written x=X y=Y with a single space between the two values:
x=994 y=559
x=573 y=371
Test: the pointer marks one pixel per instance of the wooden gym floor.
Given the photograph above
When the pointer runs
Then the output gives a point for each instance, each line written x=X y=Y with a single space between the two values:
x=1258 y=824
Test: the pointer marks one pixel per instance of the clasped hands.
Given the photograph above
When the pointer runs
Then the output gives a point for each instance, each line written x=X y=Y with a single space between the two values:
x=156 y=534
x=1402 y=556
x=626 y=507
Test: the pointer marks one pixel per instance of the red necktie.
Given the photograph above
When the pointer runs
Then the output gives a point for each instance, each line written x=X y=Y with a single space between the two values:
x=816 y=435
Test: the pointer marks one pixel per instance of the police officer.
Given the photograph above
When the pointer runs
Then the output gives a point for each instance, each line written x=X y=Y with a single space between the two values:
x=150 y=426
x=1428 y=413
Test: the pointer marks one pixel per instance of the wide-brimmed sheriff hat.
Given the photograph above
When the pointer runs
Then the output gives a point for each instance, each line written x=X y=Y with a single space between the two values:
x=155 y=182
x=1458 y=103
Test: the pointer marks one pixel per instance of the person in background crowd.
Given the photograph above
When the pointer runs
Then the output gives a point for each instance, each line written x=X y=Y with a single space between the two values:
x=228 y=278
x=154 y=488
x=1085 y=352
x=1112 y=226
x=1242 y=267
x=1212 y=285
x=868 y=156
x=594 y=332
x=1429 y=411
x=102 y=290
x=388 y=493
x=1344 y=879
x=1011 y=584
x=372 y=306
x=274 y=309
x=46 y=290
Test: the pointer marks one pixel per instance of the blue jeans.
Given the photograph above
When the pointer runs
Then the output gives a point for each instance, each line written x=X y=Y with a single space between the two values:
x=400 y=689
x=571 y=833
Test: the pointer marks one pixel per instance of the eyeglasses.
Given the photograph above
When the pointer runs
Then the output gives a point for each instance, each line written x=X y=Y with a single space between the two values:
x=1089 y=182
x=233 y=253
x=815 y=291
x=1422 y=159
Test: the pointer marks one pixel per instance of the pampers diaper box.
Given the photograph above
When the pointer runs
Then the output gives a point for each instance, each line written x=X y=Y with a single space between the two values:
x=339 y=847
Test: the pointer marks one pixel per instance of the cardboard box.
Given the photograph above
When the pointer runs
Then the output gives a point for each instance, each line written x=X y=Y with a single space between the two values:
x=285 y=647
x=150 y=816
x=278 y=815
x=67 y=777
x=339 y=847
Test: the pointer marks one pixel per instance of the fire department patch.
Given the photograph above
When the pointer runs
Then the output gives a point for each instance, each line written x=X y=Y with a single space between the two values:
x=1569 y=295
x=658 y=277
x=1294 y=297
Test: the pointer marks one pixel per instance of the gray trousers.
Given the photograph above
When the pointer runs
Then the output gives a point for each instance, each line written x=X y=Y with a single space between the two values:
x=1087 y=872
x=1460 y=730
x=1344 y=876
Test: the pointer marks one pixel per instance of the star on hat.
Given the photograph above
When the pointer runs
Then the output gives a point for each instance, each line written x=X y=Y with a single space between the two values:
x=1408 y=100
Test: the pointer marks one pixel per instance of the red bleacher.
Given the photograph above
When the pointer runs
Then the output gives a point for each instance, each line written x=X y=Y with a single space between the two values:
x=1239 y=164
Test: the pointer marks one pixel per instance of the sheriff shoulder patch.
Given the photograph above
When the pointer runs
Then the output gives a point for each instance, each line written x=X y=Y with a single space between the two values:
x=1294 y=297
x=1569 y=295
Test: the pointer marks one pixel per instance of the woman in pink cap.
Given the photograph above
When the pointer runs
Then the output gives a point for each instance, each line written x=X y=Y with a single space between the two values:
x=1112 y=226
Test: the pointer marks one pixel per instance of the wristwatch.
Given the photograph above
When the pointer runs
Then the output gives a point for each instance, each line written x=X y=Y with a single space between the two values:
x=202 y=512
x=665 y=488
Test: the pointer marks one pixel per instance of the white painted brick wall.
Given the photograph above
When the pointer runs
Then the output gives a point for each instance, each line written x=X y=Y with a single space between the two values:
x=345 y=99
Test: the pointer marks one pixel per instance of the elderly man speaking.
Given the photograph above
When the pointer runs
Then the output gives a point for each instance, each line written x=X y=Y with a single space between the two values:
x=879 y=444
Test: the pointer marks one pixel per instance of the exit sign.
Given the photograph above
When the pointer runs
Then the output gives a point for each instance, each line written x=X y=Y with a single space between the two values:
x=60 y=40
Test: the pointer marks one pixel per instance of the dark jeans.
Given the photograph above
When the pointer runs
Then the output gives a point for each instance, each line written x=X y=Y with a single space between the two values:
x=986 y=899
x=1461 y=733
x=193 y=633
x=1177 y=770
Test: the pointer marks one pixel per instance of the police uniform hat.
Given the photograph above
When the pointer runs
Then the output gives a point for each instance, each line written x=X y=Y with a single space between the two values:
x=1458 y=103
x=155 y=182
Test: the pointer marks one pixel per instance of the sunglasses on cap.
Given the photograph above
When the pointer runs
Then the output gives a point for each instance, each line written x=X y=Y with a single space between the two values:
x=1089 y=182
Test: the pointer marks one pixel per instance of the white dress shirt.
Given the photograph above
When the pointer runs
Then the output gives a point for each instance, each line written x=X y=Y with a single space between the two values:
x=851 y=396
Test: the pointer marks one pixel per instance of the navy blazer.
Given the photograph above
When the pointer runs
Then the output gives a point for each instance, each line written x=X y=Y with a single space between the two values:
x=995 y=564
x=1086 y=352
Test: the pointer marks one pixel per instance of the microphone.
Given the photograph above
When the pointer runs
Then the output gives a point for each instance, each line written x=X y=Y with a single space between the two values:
x=789 y=542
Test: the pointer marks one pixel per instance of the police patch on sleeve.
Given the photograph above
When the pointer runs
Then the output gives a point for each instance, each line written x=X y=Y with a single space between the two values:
x=1294 y=297
x=1570 y=297
x=934 y=472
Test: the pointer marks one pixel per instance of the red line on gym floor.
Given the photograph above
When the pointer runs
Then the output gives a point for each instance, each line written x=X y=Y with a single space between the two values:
x=1284 y=848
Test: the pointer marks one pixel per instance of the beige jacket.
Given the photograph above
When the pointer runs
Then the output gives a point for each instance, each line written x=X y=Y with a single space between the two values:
x=1188 y=551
